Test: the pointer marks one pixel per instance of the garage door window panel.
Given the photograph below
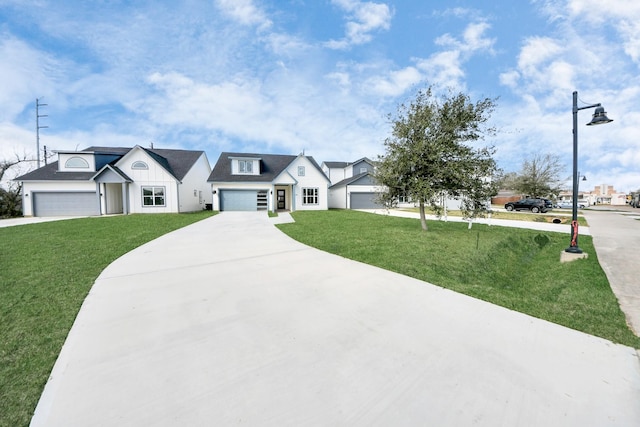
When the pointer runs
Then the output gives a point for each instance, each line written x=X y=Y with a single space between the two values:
x=153 y=196
x=309 y=196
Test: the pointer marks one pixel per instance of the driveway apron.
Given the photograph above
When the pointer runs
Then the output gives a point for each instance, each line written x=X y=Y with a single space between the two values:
x=616 y=237
x=230 y=322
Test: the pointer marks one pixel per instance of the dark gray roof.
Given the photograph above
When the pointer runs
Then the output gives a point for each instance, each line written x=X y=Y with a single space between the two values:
x=334 y=165
x=350 y=180
x=115 y=170
x=176 y=162
x=271 y=165
x=342 y=165
x=365 y=159
x=50 y=173
x=108 y=150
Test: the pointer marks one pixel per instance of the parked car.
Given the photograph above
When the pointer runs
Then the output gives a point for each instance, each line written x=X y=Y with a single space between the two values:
x=533 y=205
x=564 y=205
x=548 y=203
x=569 y=205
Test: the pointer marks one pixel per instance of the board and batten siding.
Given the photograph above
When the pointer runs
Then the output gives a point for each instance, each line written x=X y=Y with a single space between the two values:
x=313 y=178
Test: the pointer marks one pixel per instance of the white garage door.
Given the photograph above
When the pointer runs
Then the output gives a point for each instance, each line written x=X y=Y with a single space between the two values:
x=238 y=200
x=65 y=204
x=364 y=201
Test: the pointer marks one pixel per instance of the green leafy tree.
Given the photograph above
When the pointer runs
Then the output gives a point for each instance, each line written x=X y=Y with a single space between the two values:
x=540 y=176
x=428 y=153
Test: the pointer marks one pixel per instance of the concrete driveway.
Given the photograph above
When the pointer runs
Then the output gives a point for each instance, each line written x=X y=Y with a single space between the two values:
x=230 y=322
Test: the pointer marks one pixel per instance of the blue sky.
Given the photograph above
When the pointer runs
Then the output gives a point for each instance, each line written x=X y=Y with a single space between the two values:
x=319 y=76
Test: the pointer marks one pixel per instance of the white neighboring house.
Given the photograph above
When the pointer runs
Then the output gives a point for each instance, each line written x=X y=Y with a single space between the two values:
x=352 y=185
x=249 y=182
x=117 y=180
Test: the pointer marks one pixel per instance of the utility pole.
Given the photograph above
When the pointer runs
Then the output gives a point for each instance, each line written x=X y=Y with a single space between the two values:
x=38 y=127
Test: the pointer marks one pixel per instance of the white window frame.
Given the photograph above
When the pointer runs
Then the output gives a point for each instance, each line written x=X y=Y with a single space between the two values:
x=157 y=192
x=139 y=165
x=245 y=167
x=310 y=196
x=76 y=162
x=301 y=171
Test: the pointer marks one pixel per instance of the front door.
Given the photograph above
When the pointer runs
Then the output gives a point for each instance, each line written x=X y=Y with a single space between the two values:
x=280 y=198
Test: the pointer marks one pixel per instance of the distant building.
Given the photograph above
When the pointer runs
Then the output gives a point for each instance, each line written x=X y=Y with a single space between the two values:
x=602 y=194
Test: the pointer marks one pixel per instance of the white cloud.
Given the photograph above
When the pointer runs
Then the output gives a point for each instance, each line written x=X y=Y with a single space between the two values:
x=630 y=31
x=396 y=83
x=364 y=18
x=473 y=39
x=536 y=52
x=245 y=12
x=286 y=45
x=286 y=113
x=590 y=16
x=26 y=73
x=443 y=69
x=510 y=79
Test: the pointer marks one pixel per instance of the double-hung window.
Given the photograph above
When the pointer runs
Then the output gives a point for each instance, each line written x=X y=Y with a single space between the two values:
x=153 y=196
x=309 y=196
x=245 y=166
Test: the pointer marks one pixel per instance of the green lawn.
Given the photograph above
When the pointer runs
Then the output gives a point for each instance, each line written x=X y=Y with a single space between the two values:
x=516 y=268
x=46 y=271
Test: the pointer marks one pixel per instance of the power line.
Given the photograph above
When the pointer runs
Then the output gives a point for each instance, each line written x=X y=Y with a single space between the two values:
x=38 y=127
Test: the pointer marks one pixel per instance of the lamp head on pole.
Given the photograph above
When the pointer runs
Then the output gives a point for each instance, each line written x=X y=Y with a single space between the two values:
x=599 y=117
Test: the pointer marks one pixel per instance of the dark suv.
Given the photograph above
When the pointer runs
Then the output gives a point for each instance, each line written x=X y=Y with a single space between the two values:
x=533 y=205
x=548 y=203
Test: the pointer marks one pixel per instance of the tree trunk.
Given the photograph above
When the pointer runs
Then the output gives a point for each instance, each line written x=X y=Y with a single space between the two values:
x=423 y=219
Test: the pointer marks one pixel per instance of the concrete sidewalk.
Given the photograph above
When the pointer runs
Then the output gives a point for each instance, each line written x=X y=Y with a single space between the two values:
x=228 y=321
x=12 y=222
x=532 y=225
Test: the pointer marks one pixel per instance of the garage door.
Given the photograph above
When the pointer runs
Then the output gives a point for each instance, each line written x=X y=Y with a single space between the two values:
x=238 y=200
x=365 y=201
x=65 y=204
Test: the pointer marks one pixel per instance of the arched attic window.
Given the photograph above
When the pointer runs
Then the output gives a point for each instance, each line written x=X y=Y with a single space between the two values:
x=76 y=162
x=139 y=165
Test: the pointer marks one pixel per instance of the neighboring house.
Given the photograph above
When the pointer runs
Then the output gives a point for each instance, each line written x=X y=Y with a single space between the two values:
x=352 y=184
x=249 y=182
x=117 y=180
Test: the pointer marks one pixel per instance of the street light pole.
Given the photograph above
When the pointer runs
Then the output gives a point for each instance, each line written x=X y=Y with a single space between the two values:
x=599 y=118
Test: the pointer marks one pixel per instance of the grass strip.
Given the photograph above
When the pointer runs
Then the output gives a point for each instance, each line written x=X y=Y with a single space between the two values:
x=46 y=271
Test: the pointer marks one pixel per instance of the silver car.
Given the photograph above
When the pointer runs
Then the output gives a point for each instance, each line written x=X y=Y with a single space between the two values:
x=569 y=205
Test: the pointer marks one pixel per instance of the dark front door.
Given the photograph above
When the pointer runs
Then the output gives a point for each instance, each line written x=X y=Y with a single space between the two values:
x=280 y=194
